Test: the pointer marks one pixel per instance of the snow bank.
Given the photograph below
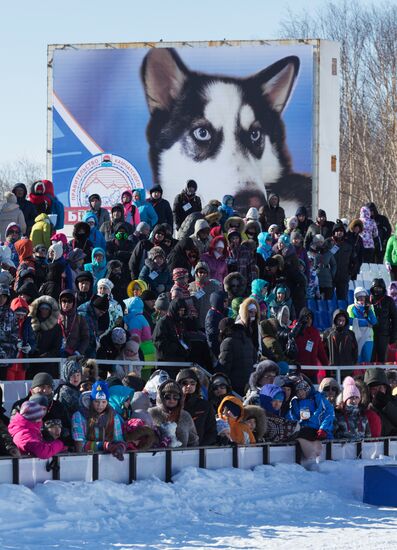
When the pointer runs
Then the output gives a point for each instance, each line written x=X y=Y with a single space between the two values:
x=270 y=507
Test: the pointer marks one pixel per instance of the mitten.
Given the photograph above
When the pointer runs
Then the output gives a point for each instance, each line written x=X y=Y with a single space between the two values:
x=321 y=434
x=115 y=448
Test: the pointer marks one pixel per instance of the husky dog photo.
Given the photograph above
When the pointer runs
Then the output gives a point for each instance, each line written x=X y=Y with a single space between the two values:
x=223 y=132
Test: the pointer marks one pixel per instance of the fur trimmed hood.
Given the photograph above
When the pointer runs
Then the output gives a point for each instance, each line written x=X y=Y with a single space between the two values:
x=242 y=284
x=51 y=321
x=244 y=311
x=235 y=220
x=254 y=411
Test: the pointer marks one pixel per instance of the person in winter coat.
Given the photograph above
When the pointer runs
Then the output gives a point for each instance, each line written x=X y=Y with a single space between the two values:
x=339 y=341
x=115 y=311
x=229 y=422
x=102 y=214
x=180 y=289
x=219 y=386
x=235 y=285
x=75 y=334
x=313 y=411
x=304 y=222
x=26 y=338
x=324 y=265
x=260 y=293
x=25 y=428
x=137 y=324
x=353 y=236
x=385 y=330
x=297 y=242
x=279 y=299
x=44 y=313
x=96 y=237
x=240 y=256
x=108 y=228
x=342 y=251
x=331 y=390
x=271 y=398
x=121 y=246
x=155 y=271
x=199 y=409
x=215 y=258
x=369 y=234
x=185 y=255
x=201 y=237
x=98 y=265
x=215 y=314
x=226 y=210
x=120 y=399
x=131 y=210
x=392 y=291
x=350 y=422
x=272 y=213
x=308 y=341
x=362 y=320
x=96 y=426
x=271 y=347
x=391 y=255
x=11 y=213
x=201 y=288
x=161 y=206
x=144 y=244
x=320 y=227
x=384 y=231
x=12 y=235
x=264 y=373
x=8 y=330
x=84 y=283
x=146 y=211
x=28 y=209
x=186 y=203
x=381 y=404
x=75 y=260
x=81 y=239
x=264 y=250
x=43 y=196
x=68 y=392
x=42 y=230
x=170 y=417
x=55 y=281
x=120 y=279
x=92 y=311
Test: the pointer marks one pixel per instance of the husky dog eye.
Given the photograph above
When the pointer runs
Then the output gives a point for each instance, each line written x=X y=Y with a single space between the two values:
x=202 y=134
x=255 y=135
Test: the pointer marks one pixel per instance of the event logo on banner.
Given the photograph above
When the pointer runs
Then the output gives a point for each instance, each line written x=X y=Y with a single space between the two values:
x=105 y=174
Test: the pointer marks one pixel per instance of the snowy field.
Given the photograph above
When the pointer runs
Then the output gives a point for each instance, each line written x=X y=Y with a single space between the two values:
x=279 y=507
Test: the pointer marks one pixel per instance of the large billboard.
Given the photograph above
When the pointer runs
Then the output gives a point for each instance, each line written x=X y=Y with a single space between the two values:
x=236 y=119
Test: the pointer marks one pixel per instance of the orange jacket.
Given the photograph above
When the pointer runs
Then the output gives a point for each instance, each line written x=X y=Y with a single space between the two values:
x=239 y=432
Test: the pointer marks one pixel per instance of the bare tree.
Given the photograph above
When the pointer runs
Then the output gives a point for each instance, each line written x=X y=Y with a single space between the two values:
x=22 y=170
x=368 y=140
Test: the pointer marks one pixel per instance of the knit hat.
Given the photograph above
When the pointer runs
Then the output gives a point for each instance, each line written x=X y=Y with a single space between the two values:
x=162 y=303
x=185 y=374
x=57 y=250
x=100 y=391
x=191 y=183
x=156 y=188
x=33 y=411
x=360 y=291
x=318 y=240
x=302 y=385
x=296 y=235
x=321 y=213
x=70 y=367
x=148 y=295
x=119 y=336
x=284 y=239
x=100 y=302
x=203 y=266
x=350 y=389
x=219 y=380
x=142 y=226
x=273 y=227
x=170 y=386
x=155 y=252
x=42 y=379
x=94 y=196
x=178 y=273
x=106 y=283
x=338 y=226
x=39 y=399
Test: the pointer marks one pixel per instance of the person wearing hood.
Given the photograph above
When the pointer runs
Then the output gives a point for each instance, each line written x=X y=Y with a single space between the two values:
x=320 y=227
x=76 y=260
x=84 y=283
x=96 y=237
x=28 y=209
x=230 y=425
x=271 y=213
x=226 y=210
x=55 y=281
x=155 y=272
x=281 y=298
x=171 y=418
x=350 y=421
x=219 y=386
x=75 y=335
x=362 y=320
x=201 y=236
x=340 y=342
x=392 y=291
x=215 y=258
x=237 y=223
x=11 y=213
x=271 y=399
x=310 y=346
x=120 y=279
x=96 y=426
x=381 y=405
x=385 y=330
x=391 y=255
x=101 y=214
x=342 y=251
x=92 y=311
x=199 y=409
x=146 y=211
x=384 y=231
x=98 y=265
x=235 y=285
x=240 y=256
x=81 y=238
x=304 y=222
x=24 y=249
x=121 y=247
x=108 y=228
x=217 y=312
x=186 y=203
x=353 y=236
x=260 y=292
x=201 y=288
x=43 y=195
x=161 y=206
x=105 y=287
x=9 y=329
x=68 y=392
x=144 y=244
x=26 y=338
x=330 y=388
x=12 y=235
x=136 y=323
x=297 y=243
x=264 y=250
x=271 y=347
x=185 y=255
x=120 y=399
x=368 y=235
x=130 y=209
x=42 y=230
x=324 y=264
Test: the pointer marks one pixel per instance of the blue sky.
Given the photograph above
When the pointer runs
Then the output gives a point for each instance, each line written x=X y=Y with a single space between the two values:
x=27 y=27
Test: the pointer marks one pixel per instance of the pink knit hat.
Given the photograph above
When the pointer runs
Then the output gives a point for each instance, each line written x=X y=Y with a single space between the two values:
x=350 y=389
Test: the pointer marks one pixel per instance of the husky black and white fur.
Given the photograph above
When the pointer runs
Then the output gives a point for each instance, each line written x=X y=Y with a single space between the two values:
x=225 y=133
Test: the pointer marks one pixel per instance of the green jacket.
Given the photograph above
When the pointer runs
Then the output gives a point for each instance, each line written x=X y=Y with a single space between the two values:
x=391 y=249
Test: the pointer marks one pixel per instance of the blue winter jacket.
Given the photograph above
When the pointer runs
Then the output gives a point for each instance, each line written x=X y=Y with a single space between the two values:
x=146 y=211
x=321 y=412
x=96 y=237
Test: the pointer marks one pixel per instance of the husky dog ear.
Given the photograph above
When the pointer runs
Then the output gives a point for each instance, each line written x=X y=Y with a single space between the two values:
x=278 y=80
x=163 y=75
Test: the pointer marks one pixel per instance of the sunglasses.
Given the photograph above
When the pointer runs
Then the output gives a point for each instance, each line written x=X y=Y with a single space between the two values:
x=328 y=389
x=172 y=397
x=14 y=231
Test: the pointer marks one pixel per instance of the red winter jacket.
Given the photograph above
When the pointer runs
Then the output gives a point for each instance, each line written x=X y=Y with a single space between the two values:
x=310 y=353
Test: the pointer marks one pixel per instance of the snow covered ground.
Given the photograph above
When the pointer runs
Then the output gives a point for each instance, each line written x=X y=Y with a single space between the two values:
x=284 y=506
